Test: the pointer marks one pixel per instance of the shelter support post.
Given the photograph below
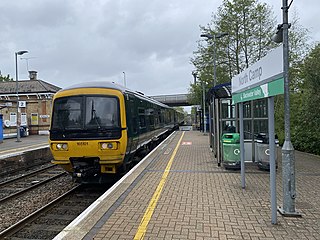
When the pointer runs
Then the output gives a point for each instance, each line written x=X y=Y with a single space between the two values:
x=217 y=132
x=243 y=180
x=272 y=160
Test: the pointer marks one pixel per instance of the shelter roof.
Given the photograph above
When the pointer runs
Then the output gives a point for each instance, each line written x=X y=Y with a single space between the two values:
x=221 y=91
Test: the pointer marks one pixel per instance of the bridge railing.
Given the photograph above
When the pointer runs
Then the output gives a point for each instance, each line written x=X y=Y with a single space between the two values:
x=173 y=100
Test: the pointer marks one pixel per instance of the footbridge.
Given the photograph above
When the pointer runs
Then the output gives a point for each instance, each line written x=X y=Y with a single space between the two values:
x=173 y=100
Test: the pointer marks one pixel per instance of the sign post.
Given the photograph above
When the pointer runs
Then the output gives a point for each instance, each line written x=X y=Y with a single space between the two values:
x=264 y=79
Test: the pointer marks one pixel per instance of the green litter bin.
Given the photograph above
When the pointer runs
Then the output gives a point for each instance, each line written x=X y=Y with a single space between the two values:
x=231 y=150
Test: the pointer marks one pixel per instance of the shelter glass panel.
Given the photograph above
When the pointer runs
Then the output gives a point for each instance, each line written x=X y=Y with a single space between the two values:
x=260 y=108
x=228 y=126
x=227 y=109
x=260 y=126
x=247 y=110
x=247 y=125
x=224 y=109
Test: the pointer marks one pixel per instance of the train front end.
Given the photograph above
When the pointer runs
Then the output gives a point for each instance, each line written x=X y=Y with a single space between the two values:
x=88 y=135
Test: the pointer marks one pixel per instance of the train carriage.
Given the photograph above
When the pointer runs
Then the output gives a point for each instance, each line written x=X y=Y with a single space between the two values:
x=99 y=128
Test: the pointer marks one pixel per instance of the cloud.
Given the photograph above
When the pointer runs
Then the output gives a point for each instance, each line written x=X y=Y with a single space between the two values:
x=72 y=41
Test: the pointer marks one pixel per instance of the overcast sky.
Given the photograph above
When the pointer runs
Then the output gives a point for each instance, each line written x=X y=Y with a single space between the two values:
x=152 y=41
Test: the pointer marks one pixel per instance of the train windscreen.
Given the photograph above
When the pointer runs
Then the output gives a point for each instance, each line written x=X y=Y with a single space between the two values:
x=85 y=117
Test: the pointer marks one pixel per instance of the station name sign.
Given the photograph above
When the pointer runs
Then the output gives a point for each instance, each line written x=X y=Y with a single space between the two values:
x=265 y=90
x=263 y=79
x=260 y=72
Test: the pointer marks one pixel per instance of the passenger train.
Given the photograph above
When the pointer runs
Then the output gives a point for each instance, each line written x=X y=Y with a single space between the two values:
x=98 y=129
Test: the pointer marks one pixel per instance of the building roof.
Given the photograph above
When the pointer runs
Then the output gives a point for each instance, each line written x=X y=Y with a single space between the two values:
x=28 y=86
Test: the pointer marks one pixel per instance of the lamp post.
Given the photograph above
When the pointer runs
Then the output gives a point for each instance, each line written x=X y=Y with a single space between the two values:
x=124 y=79
x=204 y=108
x=17 y=91
x=214 y=37
x=288 y=161
x=27 y=61
x=194 y=74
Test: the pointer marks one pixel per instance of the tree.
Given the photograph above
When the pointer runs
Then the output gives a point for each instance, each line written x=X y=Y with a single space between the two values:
x=299 y=47
x=249 y=26
x=5 y=78
x=306 y=137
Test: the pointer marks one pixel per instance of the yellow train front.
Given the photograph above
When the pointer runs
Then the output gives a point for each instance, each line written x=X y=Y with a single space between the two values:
x=98 y=128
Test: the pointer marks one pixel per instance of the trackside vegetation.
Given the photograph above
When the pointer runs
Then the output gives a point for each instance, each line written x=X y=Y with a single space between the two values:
x=250 y=25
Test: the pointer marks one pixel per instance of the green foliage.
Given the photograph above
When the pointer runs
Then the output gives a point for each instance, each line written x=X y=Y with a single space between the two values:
x=195 y=94
x=249 y=26
x=279 y=117
x=299 y=47
x=181 y=109
x=5 y=78
x=306 y=135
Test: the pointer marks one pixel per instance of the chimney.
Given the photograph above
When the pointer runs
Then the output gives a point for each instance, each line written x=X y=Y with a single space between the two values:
x=33 y=75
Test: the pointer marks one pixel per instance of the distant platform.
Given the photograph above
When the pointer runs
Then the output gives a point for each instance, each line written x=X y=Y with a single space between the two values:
x=185 y=128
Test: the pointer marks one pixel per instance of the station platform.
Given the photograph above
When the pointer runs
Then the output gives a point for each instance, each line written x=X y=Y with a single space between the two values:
x=179 y=192
x=10 y=147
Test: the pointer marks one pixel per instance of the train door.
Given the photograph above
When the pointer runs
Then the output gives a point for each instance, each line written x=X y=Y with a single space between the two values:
x=132 y=122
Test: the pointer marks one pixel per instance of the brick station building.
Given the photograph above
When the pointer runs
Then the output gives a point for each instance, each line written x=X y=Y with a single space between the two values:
x=35 y=104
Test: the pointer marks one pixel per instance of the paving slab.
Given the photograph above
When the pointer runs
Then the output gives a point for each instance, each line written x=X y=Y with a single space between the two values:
x=179 y=192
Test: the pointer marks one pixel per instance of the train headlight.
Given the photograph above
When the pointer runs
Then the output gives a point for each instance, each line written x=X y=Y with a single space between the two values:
x=104 y=145
x=109 y=146
x=62 y=146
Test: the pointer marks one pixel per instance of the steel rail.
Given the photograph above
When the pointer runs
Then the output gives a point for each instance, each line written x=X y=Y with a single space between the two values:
x=4 y=183
x=21 y=169
x=14 y=195
x=19 y=225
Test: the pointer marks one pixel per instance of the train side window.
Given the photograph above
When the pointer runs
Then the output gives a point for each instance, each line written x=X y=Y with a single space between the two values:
x=150 y=116
x=160 y=116
x=156 y=118
x=142 y=121
x=142 y=118
x=134 y=125
x=151 y=120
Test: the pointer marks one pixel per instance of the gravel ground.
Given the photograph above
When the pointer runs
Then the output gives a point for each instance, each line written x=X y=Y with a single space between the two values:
x=14 y=211
x=10 y=176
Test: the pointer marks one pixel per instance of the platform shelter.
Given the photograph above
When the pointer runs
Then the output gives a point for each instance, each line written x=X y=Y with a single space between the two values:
x=224 y=118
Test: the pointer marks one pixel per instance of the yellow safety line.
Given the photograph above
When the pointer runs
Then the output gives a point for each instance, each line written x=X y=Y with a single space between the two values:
x=153 y=202
x=21 y=148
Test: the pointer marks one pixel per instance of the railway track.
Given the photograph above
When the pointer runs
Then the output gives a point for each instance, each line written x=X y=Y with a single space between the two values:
x=24 y=175
x=17 y=186
x=12 y=172
x=51 y=219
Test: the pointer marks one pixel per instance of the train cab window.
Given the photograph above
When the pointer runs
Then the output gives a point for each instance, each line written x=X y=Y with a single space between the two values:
x=81 y=112
x=68 y=112
x=102 y=112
